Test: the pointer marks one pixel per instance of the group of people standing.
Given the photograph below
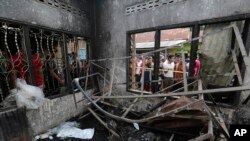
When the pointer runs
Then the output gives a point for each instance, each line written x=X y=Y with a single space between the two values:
x=170 y=71
x=46 y=72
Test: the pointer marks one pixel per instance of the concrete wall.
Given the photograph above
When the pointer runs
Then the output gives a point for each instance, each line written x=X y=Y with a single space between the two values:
x=112 y=22
x=39 y=13
x=54 y=112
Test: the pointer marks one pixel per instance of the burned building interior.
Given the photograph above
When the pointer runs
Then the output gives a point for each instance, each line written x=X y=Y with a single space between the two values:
x=128 y=70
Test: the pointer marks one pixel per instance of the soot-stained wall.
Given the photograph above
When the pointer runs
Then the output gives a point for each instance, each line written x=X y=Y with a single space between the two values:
x=68 y=15
x=114 y=18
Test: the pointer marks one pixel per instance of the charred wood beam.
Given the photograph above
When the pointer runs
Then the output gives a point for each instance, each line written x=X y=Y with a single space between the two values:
x=236 y=66
x=184 y=70
x=243 y=53
x=242 y=48
x=128 y=45
x=194 y=48
x=246 y=40
x=155 y=86
x=133 y=52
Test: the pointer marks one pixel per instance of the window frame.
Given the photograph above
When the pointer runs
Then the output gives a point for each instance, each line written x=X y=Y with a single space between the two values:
x=194 y=44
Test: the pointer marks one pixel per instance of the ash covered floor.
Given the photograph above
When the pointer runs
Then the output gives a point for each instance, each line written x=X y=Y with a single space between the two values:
x=128 y=132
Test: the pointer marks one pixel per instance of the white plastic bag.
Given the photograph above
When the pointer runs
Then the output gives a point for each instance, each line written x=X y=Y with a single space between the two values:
x=29 y=96
x=74 y=132
x=71 y=129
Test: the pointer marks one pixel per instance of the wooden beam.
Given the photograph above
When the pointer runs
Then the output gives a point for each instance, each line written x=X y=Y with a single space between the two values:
x=236 y=66
x=184 y=69
x=194 y=48
x=242 y=48
x=133 y=49
x=155 y=86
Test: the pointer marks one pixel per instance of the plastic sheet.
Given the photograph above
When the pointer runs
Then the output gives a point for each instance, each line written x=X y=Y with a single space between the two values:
x=69 y=130
x=28 y=96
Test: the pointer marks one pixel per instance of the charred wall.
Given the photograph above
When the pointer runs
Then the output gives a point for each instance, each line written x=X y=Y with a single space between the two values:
x=114 y=19
x=14 y=126
x=72 y=16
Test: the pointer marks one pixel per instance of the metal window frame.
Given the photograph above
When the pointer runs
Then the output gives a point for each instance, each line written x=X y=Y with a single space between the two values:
x=27 y=46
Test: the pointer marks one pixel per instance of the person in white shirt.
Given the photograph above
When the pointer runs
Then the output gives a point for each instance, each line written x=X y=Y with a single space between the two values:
x=168 y=69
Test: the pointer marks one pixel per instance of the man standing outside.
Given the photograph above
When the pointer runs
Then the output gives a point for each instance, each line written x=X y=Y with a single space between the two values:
x=168 y=69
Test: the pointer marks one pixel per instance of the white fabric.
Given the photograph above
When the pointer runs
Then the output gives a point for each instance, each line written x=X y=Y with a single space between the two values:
x=169 y=68
x=29 y=96
x=70 y=129
x=138 y=67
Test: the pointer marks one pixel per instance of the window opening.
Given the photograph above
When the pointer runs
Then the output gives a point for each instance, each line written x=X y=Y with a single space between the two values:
x=77 y=49
x=141 y=43
x=13 y=61
x=217 y=63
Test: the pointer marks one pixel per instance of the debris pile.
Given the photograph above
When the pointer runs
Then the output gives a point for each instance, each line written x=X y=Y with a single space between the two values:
x=184 y=114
